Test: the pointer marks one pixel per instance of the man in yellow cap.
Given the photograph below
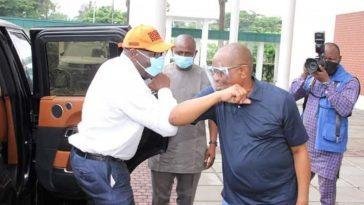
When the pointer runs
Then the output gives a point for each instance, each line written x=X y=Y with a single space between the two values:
x=117 y=107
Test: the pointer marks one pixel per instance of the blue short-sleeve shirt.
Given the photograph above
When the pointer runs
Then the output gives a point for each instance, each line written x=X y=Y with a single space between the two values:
x=255 y=143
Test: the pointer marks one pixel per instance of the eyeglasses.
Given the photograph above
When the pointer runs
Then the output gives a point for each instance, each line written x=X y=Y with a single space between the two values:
x=222 y=71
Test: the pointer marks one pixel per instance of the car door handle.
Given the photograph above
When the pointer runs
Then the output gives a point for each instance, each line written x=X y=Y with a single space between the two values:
x=70 y=131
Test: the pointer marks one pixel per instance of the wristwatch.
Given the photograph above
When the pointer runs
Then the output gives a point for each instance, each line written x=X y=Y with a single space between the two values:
x=213 y=142
x=326 y=83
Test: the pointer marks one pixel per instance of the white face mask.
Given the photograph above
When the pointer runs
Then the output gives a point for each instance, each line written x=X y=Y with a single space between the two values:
x=183 y=62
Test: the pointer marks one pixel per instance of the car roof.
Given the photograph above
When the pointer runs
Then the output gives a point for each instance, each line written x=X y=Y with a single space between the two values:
x=4 y=23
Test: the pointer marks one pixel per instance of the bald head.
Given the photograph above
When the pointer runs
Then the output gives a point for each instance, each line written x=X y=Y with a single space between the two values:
x=334 y=47
x=232 y=55
x=238 y=59
x=332 y=52
x=184 y=44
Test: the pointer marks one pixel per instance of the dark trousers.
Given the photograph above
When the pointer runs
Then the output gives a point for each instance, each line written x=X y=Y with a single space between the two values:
x=105 y=182
x=162 y=183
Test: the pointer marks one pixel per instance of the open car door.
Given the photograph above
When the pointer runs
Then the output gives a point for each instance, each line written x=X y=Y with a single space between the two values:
x=15 y=124
x=65 y=61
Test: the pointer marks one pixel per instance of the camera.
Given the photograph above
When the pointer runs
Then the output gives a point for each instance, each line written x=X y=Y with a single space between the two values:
x=313 y=64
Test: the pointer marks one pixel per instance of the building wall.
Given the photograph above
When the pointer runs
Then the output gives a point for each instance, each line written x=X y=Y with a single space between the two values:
x=349 y=30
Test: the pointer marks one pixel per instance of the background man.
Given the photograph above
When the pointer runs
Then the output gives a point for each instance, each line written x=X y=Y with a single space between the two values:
x=331 y=94
x=117 y=107
x=264 y=155
x=184 y=158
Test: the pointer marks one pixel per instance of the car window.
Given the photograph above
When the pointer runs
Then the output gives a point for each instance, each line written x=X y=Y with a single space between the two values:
x=24 y=51
x=72 y=65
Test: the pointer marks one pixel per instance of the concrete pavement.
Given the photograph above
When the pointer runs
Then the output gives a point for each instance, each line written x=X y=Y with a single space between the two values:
x=350 y=186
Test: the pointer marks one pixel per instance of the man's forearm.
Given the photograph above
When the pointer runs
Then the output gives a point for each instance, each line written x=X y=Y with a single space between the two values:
x=303 y=172
x=212 y=130
x=188 y=111
x=296 y=88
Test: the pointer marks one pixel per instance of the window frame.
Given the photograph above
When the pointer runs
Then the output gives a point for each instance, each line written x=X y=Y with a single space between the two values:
x=76 y=77
x=29 y=78
x=39 y=38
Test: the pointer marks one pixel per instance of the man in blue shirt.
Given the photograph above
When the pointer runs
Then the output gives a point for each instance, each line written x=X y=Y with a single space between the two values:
x=263 y=140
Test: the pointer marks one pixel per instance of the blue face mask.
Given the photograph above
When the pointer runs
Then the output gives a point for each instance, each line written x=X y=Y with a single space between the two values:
x=183 y=62
x=156 y=65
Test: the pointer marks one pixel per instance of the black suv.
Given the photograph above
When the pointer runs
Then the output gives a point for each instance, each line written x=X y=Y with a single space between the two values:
x=43 y=80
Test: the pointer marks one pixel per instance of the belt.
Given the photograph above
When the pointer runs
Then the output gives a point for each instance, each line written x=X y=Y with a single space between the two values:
x=97 y=157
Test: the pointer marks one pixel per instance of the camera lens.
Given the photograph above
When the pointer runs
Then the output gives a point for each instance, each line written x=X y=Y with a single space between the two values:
x=311 y=65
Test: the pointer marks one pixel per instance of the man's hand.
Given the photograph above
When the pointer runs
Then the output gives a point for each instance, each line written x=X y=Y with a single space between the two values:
x=234 y=94
x=321 y=75
x=188 y=111
x=305 y=72
x=210 y=156
x=158 y=82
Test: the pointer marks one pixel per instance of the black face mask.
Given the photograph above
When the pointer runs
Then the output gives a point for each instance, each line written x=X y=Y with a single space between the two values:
x=331 y=67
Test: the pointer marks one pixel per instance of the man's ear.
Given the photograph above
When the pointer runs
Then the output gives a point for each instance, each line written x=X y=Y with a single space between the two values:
x=132 y=53
x=244 y=71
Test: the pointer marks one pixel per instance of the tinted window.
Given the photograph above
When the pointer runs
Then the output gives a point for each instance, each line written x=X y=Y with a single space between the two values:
x=72 y=65
x=24 y=51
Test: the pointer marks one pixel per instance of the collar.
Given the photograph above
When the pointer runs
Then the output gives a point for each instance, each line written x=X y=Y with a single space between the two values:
x=257 y=92
x=339 y=75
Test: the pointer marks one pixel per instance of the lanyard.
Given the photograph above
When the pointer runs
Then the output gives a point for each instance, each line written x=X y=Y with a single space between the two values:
x=316 y=94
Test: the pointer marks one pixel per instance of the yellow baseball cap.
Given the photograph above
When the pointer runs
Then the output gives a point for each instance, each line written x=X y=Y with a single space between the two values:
x=145 y=37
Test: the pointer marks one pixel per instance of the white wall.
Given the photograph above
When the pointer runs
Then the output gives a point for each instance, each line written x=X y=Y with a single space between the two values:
x=150 y=12
x=310 y=17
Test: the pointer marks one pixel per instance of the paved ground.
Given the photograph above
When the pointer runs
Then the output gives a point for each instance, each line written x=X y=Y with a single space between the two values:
x=350 y=185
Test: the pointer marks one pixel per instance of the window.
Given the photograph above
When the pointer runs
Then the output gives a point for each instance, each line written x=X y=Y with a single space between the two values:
x=72 y=65
x=24 y=51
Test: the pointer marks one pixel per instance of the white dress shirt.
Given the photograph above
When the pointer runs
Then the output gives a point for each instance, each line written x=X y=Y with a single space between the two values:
x=117 y=106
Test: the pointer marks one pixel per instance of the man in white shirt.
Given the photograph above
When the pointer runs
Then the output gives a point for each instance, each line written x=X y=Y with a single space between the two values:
x=117 y=106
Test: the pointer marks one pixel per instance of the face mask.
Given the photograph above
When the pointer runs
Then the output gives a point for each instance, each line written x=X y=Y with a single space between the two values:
x=156 y=65
x=331 y=67
x=183 y=62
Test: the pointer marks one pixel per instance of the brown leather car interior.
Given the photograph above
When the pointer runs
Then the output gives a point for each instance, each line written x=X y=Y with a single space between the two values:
x=70 y=109
x=60 y=112
x=12 y=148
x=3 y=120
x=61 y=159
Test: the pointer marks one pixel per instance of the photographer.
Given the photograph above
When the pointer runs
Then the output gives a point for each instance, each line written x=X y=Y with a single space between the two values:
x=331 y=93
